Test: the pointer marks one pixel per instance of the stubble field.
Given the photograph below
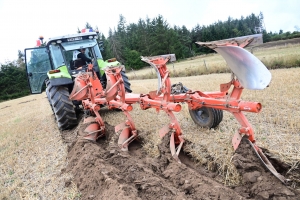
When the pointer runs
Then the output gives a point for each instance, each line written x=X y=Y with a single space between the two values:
x=36 y=162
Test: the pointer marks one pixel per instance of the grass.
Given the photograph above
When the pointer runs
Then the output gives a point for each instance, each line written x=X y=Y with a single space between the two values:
x=32 y=153
x=274 y=57
x=280 y=56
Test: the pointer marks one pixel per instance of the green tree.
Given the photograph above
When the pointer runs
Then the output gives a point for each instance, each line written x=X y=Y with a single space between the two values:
x=266 y=37
x=13 y=81
x=133 y=59
x=115 y=46
x=20 y=61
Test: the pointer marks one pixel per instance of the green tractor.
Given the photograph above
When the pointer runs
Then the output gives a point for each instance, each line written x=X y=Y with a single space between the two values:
x=53 y=66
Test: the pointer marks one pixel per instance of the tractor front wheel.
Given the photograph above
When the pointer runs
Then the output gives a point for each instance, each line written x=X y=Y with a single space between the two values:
x=207 y=117
x=62 y=106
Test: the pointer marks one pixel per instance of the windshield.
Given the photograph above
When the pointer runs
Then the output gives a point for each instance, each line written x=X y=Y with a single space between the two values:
x=71 y=57
x=65 y=53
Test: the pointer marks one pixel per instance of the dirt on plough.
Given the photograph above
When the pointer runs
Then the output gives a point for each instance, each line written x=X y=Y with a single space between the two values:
x=102 y=171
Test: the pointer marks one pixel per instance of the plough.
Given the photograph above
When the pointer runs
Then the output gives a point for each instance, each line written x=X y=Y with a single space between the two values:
x=247 y=72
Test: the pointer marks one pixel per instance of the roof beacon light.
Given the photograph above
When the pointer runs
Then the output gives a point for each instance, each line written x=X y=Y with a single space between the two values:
x=41 y=38
x=86 y=30
x=38 y=43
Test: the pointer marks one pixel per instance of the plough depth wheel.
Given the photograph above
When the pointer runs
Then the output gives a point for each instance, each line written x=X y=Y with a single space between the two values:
x=207 y=117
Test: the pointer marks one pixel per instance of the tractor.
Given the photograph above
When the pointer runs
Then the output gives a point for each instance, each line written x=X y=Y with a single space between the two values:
x=53 y=65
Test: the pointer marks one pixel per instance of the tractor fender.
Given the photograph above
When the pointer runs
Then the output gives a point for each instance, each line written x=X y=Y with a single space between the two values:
x=104 y=64
x=60 y=81
x=60 y=78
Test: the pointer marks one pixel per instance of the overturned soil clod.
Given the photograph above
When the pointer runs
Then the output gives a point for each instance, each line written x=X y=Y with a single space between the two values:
x=258 y=182
x=102 y=171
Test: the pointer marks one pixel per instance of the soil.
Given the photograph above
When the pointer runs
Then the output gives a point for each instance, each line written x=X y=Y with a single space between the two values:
x=102 y=171
x=258 y=182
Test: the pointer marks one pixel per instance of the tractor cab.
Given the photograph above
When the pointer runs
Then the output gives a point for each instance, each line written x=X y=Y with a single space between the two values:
x=56 y=60
x=63 y=52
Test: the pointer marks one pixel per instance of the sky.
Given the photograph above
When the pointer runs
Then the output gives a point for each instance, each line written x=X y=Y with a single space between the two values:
x=23 y=21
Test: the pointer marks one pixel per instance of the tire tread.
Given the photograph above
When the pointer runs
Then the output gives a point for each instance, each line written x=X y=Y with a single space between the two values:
x=62 y=106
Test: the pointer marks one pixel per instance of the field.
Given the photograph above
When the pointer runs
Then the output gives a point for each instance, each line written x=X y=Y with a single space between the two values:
x=37 y=163
x=279 y=54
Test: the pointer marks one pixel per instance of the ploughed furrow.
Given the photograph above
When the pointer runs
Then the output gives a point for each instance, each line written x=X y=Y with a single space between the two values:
x=102 y=171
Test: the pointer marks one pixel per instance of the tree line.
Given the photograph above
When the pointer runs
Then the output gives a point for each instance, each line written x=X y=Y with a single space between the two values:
x=128 y=41
x=148 y=37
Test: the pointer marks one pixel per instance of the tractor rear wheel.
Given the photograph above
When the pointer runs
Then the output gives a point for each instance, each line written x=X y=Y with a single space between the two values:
x=47 y=82
x=207 y=117
x=62 y=106
x=126 y=82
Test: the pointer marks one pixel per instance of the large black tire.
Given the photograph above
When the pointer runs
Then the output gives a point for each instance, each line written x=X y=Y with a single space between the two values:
x=127 y=84
x=47 y=82
x=207 y=117
x=62 y=106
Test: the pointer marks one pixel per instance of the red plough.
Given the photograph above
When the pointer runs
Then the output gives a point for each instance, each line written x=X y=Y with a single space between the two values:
x=247 y=72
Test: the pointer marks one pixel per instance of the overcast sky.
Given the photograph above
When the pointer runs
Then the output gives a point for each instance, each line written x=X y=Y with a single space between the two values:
x=23 y=21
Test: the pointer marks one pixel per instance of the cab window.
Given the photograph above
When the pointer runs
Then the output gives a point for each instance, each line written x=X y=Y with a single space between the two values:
x=56 y=56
